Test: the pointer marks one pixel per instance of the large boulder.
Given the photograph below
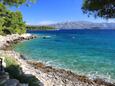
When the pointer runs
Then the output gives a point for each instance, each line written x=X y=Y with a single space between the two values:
x=12 y=82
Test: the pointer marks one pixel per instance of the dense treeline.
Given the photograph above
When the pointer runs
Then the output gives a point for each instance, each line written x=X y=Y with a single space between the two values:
x=39 y=27
x=11 y=22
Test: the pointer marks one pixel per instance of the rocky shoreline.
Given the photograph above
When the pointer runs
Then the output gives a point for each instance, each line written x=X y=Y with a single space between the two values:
x=47 y=75
x=7 y=41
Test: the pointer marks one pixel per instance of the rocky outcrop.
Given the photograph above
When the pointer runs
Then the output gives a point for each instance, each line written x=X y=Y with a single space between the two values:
x=6 y=81
x=7 y=41
x=12 y=82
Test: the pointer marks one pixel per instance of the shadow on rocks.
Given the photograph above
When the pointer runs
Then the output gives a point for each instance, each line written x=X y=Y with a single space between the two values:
x=15 y=72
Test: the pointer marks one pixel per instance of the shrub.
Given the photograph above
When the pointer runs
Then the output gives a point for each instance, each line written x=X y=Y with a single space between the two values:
x=15 y=72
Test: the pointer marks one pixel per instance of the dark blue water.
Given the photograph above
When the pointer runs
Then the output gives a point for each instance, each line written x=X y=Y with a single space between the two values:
x=90 y=52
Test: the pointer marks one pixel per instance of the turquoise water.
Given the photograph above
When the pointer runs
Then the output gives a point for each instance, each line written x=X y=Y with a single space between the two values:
x=90 y=52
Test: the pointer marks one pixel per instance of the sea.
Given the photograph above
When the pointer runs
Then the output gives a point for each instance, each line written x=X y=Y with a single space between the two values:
x=82 y=51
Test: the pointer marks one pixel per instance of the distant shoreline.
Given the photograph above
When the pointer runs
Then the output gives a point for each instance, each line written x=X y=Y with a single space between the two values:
x=79 y=25
x=68 y=29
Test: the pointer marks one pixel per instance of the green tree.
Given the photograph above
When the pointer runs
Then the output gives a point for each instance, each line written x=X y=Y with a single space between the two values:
x=101 y=8
x=2 y=16
x=16 y=2
x=12 y=22
x=1 y=25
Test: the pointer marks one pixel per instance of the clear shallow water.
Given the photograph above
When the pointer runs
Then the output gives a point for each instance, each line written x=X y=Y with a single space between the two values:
x=81 y=51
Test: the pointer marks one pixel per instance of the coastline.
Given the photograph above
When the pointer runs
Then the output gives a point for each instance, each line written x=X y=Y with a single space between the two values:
x=46 y=74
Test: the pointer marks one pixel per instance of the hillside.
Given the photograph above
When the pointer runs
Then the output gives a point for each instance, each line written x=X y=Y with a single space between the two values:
x=83 y=25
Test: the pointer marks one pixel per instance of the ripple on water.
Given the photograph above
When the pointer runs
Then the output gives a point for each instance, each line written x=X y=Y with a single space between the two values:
x=81 y=51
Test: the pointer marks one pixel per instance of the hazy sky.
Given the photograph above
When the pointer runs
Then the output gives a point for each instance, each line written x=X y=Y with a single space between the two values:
x=52 y=11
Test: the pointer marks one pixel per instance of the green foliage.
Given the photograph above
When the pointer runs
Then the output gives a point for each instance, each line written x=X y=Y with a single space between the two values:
x=2 y=13
x=15 y=72
x=101 y=8
x=1 y=25
x=12 y=67
x=11 y=22
x=14 y=23
x=10 y=61
x=31 y=80
x=15 y=2
x=29 y=27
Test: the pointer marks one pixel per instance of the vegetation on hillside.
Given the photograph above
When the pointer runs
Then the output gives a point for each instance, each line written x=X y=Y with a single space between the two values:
x=29 y=27
x=101 y=8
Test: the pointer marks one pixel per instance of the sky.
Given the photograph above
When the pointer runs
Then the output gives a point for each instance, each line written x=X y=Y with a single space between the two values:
x=54 y=11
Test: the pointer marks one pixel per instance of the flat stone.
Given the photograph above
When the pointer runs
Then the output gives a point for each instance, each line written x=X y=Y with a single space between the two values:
x=24 y=85
x=3 y=77
x=12 y=82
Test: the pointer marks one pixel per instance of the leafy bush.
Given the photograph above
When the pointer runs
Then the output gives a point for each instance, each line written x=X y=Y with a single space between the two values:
x=11 y=22
x=30 y=79
x=15 y=72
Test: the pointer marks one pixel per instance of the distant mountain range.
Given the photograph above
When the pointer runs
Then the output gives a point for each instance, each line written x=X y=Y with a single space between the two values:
x=83 y=25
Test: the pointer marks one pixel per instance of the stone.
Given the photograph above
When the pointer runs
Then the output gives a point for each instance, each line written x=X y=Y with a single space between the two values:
x=3 y=61
x=4 y=76
x=11 y=82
